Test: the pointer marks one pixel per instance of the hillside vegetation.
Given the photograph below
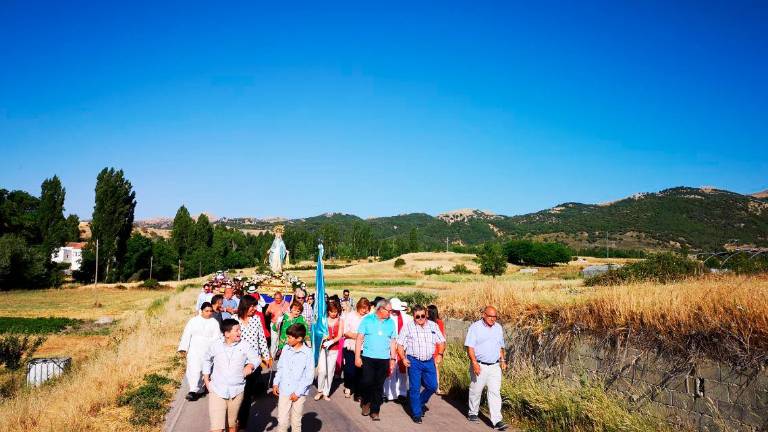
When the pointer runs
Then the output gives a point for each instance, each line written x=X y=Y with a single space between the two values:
x=682 y=217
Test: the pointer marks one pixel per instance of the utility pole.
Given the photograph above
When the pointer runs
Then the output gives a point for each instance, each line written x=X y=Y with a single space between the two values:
x=96 y=279
x=179 y=269
x=607 y=254
x=446 y=244
x=151 y=259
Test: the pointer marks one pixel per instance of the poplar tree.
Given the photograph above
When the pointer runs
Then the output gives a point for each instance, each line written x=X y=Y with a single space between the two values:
x=112 y=221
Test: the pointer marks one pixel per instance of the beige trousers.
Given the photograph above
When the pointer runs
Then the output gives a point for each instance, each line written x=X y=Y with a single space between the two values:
x=289 y=413
x=221 y=410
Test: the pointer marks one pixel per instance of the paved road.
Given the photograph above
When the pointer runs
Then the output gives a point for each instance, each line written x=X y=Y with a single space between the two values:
x=338 y=414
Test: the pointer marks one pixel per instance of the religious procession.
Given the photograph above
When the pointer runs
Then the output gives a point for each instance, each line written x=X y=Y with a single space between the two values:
x=265 y=336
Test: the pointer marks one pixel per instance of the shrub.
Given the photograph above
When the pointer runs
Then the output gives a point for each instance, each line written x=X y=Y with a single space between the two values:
x=536 y=253
x=15 y=350
x=460 y=269
x=663 y=267
x=492 y=260
x=150 y=284
x=417 y=297
x=433 y=271
x=147 y=401
x=399 y=262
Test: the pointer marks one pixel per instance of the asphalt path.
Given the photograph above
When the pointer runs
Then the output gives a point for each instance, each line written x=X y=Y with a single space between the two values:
x=338 y=414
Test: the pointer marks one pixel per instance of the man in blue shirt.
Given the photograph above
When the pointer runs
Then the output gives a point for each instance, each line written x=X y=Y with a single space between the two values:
x=375 y=351
x=230 y=303
x=485 y=347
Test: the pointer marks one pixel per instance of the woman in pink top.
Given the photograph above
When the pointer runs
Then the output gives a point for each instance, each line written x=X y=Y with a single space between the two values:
x=351 y=322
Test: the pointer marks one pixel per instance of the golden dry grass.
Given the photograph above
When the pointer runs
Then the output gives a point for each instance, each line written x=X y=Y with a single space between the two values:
x=86 y=302
x=85 y=399
x=725 y=316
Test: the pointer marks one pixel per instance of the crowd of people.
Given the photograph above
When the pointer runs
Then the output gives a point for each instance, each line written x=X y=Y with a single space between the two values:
x=383 y=350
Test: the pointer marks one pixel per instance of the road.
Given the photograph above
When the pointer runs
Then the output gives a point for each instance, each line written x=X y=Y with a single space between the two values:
x=338 y=414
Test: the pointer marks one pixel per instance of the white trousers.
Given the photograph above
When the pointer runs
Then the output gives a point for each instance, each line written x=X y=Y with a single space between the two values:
x=194 y=372
x=326 y=368
x=274 y=338
x=490 y=376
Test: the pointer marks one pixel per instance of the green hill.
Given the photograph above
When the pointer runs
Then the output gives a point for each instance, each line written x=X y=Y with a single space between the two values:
x=681 y=217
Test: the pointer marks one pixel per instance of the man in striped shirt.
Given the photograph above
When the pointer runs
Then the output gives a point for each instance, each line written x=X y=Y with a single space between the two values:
x=416 y=347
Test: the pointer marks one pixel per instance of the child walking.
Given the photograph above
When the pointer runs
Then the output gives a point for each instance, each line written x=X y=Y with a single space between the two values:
x=225 y=366
x=295 y=372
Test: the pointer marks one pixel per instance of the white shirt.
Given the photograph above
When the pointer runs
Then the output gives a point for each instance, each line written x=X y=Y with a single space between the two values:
x=202 y=298
x=225 y=364
x=199 y=334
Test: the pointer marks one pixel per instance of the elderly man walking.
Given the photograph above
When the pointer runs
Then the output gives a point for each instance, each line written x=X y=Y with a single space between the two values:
x=375 y=353
x=485 y=347
x=417 y=344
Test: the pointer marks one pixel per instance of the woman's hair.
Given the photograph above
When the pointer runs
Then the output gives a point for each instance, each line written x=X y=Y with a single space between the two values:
x=296 y=304
x=432 y=313
x=205 y=305
x=363 y=303
x=245 y=303
x=332 y=305
x=216 y=298
x=296 y=330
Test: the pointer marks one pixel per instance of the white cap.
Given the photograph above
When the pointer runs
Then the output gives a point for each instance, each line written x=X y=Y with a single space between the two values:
x=397 y=304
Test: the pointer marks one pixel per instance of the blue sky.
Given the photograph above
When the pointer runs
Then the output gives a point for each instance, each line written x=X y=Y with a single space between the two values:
x=245 y=109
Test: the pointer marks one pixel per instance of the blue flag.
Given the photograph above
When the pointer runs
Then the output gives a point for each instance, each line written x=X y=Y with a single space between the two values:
x=320 y=325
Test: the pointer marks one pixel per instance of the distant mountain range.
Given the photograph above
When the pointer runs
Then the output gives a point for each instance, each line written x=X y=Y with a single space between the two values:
x=694 y=218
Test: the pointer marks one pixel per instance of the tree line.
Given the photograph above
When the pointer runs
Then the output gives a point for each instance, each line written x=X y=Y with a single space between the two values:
x=31 y=228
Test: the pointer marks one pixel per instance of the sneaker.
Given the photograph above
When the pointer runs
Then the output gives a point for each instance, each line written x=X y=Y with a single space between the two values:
x=367 y=410
x=191 y=396
x=500 y=426
x=375 y=417
x=416 y=419
x=473 y=418
x=318 y=396
x=347 y=393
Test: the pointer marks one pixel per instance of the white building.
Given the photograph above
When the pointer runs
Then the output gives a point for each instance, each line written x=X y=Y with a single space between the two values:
x=71 y=253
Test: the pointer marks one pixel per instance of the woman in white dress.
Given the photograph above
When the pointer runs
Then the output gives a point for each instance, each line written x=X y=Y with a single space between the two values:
x=396 y=384
x=199 y=333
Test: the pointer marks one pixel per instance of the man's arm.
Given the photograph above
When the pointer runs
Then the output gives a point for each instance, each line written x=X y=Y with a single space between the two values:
x=473 y=360
x=503 y=359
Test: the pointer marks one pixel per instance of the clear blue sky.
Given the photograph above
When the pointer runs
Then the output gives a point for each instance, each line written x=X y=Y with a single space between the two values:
x=244 y=109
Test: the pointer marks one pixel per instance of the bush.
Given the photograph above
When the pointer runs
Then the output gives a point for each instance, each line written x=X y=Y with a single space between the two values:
x=663 y=267
x=15 y=350
x=147 y=402
x=417 y=297
x=460 y=269
x=526 y=252
x=433 y=271
x=399 y=262
x=492 y=260
x=150 y=283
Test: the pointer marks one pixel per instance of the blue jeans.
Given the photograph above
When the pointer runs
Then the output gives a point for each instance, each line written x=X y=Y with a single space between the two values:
x=421 y=373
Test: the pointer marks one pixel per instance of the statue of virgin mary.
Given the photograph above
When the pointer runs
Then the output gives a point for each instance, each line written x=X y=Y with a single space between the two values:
x=278 y=254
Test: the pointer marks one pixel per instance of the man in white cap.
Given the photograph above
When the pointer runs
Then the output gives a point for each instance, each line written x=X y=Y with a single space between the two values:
x=396 y=385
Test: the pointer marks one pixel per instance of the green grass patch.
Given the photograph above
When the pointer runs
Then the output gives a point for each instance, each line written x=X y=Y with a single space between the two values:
x=36 y=325
x=148 y=401
x=550 y=404
x=368 y=283
x=157 y=305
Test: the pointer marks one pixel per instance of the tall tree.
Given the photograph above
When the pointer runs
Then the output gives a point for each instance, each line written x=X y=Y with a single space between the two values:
x=181 y=233
x=50 y=215
x=112 y=219
x=202 y=233
x=413 y=240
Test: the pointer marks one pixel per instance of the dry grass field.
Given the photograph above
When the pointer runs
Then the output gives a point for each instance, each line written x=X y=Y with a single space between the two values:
x=85 y=399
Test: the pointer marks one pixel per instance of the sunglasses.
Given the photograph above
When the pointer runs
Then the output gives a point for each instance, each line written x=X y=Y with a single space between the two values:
x=419 y=316
x=300 y=298
x=491 y=316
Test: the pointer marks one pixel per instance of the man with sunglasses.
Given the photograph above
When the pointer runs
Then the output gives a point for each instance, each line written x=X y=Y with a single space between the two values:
x=416 y=345
x=485 y=347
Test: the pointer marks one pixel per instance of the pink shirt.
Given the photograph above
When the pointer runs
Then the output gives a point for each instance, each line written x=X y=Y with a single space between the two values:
x=351 y=322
